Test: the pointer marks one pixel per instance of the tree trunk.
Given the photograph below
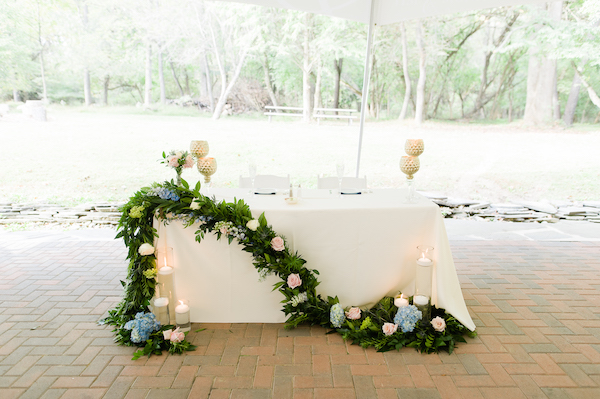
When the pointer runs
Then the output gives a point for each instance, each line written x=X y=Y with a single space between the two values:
x=541 y=81
x=105 y=91
x=337 y=68
x=42 y=66
x=571 y=105
x=187 y=82
x=306 y=103
x=87 y=88
x=181 y=93
x=16 y=95
x=209 y=88
x=225 y=93
x=161 y=79
x=422 y=75
x=318 y=99
x=148 y=78
x=268 y=83
x=405 y=72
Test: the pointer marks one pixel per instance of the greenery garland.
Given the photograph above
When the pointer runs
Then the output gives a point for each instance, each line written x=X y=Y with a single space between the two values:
x=384 y=326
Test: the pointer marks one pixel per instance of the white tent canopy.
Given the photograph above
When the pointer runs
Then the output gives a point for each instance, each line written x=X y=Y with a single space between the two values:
x=381 y=12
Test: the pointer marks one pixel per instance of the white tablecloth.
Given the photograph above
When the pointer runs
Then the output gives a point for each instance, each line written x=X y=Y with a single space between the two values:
x=364 y=247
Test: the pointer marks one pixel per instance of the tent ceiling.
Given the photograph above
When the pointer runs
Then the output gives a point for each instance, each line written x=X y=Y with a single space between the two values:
x=386 y=11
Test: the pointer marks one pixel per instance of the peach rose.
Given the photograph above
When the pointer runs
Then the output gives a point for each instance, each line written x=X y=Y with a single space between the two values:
x=294 y=280
x=167 y=334
x=177 y=336
x=389 y=328
x=189 y=162
x=353 y=313
x=277 y=244
x=173 y=162
x=438 y=324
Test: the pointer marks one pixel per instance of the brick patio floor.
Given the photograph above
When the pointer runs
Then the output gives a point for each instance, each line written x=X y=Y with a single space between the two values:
x=536 y=305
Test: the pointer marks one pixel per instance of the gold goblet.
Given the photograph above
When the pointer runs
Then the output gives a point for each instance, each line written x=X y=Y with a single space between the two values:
x=199 y=148
x=409 y=165
x=414 y=147
x=207 y=167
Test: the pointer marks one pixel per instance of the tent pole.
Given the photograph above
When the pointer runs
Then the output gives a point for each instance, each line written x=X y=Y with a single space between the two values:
x=367 y=77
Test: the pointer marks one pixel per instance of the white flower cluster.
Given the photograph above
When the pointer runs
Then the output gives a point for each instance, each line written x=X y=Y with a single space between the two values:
x=263 y=274
x=298 y=299
x=227 y=228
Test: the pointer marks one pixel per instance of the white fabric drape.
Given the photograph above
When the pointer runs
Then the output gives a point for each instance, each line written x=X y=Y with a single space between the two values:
x=364 y=247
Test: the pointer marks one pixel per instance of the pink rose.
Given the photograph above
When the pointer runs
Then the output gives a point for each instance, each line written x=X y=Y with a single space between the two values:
x=177 y=336
x=189 y=162
x=389 y=328
x=224 y=230
x=277 y=244
x=438 y=324
x=173 y=161
x=353 y=313
x=294 y=280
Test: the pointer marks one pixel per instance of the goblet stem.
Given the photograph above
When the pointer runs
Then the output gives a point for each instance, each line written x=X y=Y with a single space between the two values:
x=411 y=197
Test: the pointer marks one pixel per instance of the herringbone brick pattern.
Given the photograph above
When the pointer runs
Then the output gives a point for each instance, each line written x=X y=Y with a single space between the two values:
x=536 y=306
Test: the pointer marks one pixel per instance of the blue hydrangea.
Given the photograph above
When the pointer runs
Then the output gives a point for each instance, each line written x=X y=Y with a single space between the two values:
x=336 y=315
x=407 y=317
x=142 y=326
x=165 y=194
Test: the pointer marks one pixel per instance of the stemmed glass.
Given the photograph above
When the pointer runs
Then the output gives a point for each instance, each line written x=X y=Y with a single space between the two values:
x=340 y=174
x=252 y=173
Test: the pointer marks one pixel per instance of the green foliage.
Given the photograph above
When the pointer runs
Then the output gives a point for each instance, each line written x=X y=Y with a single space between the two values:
x=229 y=220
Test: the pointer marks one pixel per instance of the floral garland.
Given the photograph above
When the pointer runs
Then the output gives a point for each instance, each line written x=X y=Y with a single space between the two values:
x=384 y=326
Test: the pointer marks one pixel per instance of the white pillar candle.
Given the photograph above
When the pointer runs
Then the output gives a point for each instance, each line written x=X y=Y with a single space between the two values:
x=401 y=300
x=182 y=316
x=420 y=300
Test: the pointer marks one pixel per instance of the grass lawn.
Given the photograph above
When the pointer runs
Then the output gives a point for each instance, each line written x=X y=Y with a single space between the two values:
x=107 y=154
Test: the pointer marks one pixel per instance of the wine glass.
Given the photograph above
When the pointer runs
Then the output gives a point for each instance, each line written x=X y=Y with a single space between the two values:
x=340 y=174
x=207 y=167
x=252 y=173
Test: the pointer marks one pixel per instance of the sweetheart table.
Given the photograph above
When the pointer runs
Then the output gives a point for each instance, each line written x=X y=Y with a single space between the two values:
x=364 y=247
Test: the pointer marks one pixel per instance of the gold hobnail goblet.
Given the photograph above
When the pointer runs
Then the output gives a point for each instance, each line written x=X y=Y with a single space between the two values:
x=409 y=165
x=414 y=147
x=207 y=167
x=199 y=148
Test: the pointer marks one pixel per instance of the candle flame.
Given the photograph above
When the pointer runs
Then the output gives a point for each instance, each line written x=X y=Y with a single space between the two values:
x=165 y=260
x=181 y=302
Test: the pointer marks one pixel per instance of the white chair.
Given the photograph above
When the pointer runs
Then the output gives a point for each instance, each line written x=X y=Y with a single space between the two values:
x=266 y=181
x=347 y=182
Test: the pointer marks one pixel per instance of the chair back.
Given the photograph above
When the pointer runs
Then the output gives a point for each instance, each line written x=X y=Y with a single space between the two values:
x=272 y=181
x=347 y=182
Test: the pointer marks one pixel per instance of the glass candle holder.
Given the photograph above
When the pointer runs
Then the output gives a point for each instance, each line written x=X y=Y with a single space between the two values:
x=166 y=287
x=401 y=300
x=160 y=309
x=424 y=281
x=164 y=257
x=182 y=316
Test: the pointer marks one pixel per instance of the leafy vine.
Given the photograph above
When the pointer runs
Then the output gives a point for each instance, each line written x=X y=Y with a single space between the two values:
x=377 y=327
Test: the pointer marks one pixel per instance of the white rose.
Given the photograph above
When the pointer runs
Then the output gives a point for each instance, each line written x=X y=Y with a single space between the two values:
x=178 y=154
x=438 y=324
x=194 y=205
x=252 y=224
x=146 y=249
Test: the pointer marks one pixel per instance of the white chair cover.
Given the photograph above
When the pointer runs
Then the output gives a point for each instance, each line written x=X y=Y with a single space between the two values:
x=347 y=182
x=266 y=181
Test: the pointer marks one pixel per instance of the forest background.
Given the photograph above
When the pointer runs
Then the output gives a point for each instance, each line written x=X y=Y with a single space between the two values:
x=536 y=62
